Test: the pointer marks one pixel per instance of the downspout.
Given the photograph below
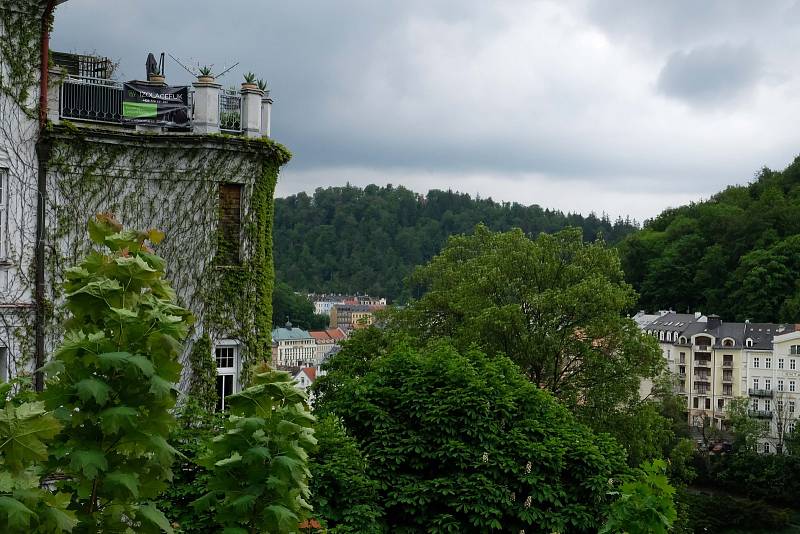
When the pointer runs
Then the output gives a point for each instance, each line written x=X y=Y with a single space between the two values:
x=43 y=156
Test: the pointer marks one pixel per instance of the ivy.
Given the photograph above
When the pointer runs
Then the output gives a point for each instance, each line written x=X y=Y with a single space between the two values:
x=203 y=383
x=171 y=182
x=20 y=48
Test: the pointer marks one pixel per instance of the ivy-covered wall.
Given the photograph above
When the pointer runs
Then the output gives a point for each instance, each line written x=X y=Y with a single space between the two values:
x=171 y=182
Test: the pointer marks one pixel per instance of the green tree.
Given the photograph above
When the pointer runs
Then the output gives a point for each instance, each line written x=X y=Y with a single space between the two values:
x=645 y=505
x=746 y=429
x=286 y=304
x=112 y=382
x=554 y=305
x=459 y=441
x=258 y=465
x=344 y=498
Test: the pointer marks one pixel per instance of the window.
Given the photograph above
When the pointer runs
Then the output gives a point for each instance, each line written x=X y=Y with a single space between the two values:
x=792 y=385
x=694 y=403
x=756 y=363
x=748 y=342
x=792 y=364
x=767 y=406
x=226 y=356
x=767 y=363
x=780 y=363
x=767 y=384
x=683 y=357
x=3 y=214
x=791 y=406
x=720 y=404
x=708 y=404
x=791 y=427
x=681 y=369
x=779 y=405
x=780 y=384
x=230 y=223
x=727 y=389
x=754 y=405
x=794 y=349
x=755 y=383
x=766 y=447
x=3 y=365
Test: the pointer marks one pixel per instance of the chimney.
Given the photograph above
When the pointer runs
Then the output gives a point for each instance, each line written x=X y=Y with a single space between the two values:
x=714 y=321
x=266 y=115
x=206 y=107
x=251 y=111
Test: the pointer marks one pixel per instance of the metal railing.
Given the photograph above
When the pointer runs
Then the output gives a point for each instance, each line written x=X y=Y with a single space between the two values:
x=230 y=111
x=91 y=99
x=761 y=414
x=761 y=392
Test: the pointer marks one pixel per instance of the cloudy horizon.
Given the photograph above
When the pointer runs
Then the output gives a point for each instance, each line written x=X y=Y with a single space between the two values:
x=611 y=106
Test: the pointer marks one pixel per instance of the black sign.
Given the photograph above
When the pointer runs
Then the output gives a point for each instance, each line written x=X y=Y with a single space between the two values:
x=144 y=103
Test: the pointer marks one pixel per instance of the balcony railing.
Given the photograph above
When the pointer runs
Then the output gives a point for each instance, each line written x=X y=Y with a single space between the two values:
x=727 y=378
x=230 y=111
x=91 y=99
x=702 y=363
x=702 y=378
x=761 y=414
x=761 y=392
x=727 y=364
x=83 y=98
x=701 y=391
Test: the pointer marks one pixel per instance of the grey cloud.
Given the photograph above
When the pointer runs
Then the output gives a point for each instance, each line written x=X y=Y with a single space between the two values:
x=711 y=75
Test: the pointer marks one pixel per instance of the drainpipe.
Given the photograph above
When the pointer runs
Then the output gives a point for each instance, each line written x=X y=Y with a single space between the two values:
x=43 y=156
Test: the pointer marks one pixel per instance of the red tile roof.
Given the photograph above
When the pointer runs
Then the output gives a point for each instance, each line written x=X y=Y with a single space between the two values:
x=311 y=372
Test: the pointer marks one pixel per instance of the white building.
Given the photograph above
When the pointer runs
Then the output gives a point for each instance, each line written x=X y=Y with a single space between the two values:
x=292 y=347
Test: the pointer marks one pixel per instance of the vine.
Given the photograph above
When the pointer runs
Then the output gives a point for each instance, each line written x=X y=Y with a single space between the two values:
x=171 y=182
x=20 y=50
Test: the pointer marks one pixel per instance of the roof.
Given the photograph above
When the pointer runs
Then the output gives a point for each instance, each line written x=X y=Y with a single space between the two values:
x=330 y=335
x=310 y=372
x=762 y=333
x=672 y=322
x=283 y=334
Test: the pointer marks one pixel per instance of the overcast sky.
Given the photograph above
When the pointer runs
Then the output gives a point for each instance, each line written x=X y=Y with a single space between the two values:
x=617 y=106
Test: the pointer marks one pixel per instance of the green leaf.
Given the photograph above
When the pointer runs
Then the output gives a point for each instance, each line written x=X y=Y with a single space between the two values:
x=89 y=462
x=22 y=431
x=148 y=512
x=92 y=388
x=112 y=420
x=17 y=514
x=160 y=387
x=124 y=480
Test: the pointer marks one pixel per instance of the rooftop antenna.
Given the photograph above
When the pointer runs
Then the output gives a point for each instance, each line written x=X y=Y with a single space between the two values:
x=196 y=72
x=187 y=69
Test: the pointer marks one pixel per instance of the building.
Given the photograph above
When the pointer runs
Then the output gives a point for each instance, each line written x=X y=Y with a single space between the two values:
x=326 y=342
x=323 y=303
x=714 y=362
x=353 y=316
x=305 y=378
x=75 y=141
x=292 y=347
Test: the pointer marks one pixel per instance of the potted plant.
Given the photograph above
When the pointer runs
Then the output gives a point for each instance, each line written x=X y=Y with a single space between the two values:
x=263 y=87
x=156 y=77
x=205 y=74
x=249 y=82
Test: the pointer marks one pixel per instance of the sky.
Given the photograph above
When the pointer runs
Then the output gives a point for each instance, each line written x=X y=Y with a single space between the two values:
x=621 y=107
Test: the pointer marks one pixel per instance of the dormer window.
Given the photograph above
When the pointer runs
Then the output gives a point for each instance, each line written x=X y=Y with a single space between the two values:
x=749 y=342
x=728 y=342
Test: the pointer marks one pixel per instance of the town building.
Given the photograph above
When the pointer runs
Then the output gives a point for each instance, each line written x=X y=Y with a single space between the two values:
x=327 y=341
x=353 y=316
x=305 y=377
x=292 y=347
x=75 y=141
x=714 y=362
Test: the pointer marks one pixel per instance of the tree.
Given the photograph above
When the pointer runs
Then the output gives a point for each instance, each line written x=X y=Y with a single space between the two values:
x=747 y=430
x=344 y=497
x=112 y=381
x=287 y=305
x=645 y=504
x=258 y=465
x=554 y=305
x=460 y=441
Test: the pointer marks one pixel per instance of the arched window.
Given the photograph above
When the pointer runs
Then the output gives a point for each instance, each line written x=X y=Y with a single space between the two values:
x=702 y=340
x=727 y=342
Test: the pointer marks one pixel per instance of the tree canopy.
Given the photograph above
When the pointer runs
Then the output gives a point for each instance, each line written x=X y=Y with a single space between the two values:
x=736 y=254
x=457 y=440
x=349 y=239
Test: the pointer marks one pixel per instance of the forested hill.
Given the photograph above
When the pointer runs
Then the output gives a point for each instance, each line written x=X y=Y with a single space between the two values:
x=737 y=254
x=349 y=239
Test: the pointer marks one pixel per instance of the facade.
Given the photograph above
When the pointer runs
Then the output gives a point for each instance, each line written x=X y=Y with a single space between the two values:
x=353 y=316
x=211 y=194
x=305 y=378
x=326 y=341
x=292 y=347
x=714 y=362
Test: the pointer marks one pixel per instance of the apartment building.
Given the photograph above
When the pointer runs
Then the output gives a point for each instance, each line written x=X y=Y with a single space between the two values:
x=292 y=347
x=714 y=362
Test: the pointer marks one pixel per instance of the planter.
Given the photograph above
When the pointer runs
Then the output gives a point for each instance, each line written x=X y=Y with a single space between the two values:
x=205 y=79
x=156 y=78
x=249 y=87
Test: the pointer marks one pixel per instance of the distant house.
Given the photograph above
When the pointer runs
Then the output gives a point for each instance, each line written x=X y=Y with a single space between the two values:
x=292 y=347
x=353 y=316
x=326 y=341
x=305 y=377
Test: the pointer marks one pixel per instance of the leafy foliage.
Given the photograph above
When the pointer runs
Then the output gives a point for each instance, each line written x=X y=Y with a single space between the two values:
x=258 y=465
x=112 y=381
x=645 y=505
x=554 y=305
x=348 y=239
x=203 y=375
x=286 y=304
x=343 y=495
x=457 y=440
x=25 y=431
x=736 y=254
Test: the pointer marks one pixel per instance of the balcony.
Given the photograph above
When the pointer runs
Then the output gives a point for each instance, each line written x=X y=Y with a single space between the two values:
x=727 y=364
x=761 y=392
x=760 y=414
x=702 y=378
x=702 y=363
x=727 y=379
x=701 y=391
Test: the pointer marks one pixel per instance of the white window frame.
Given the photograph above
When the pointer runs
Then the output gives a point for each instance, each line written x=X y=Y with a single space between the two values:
x=4 y=188
x=229 y=371
x=756 y=362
